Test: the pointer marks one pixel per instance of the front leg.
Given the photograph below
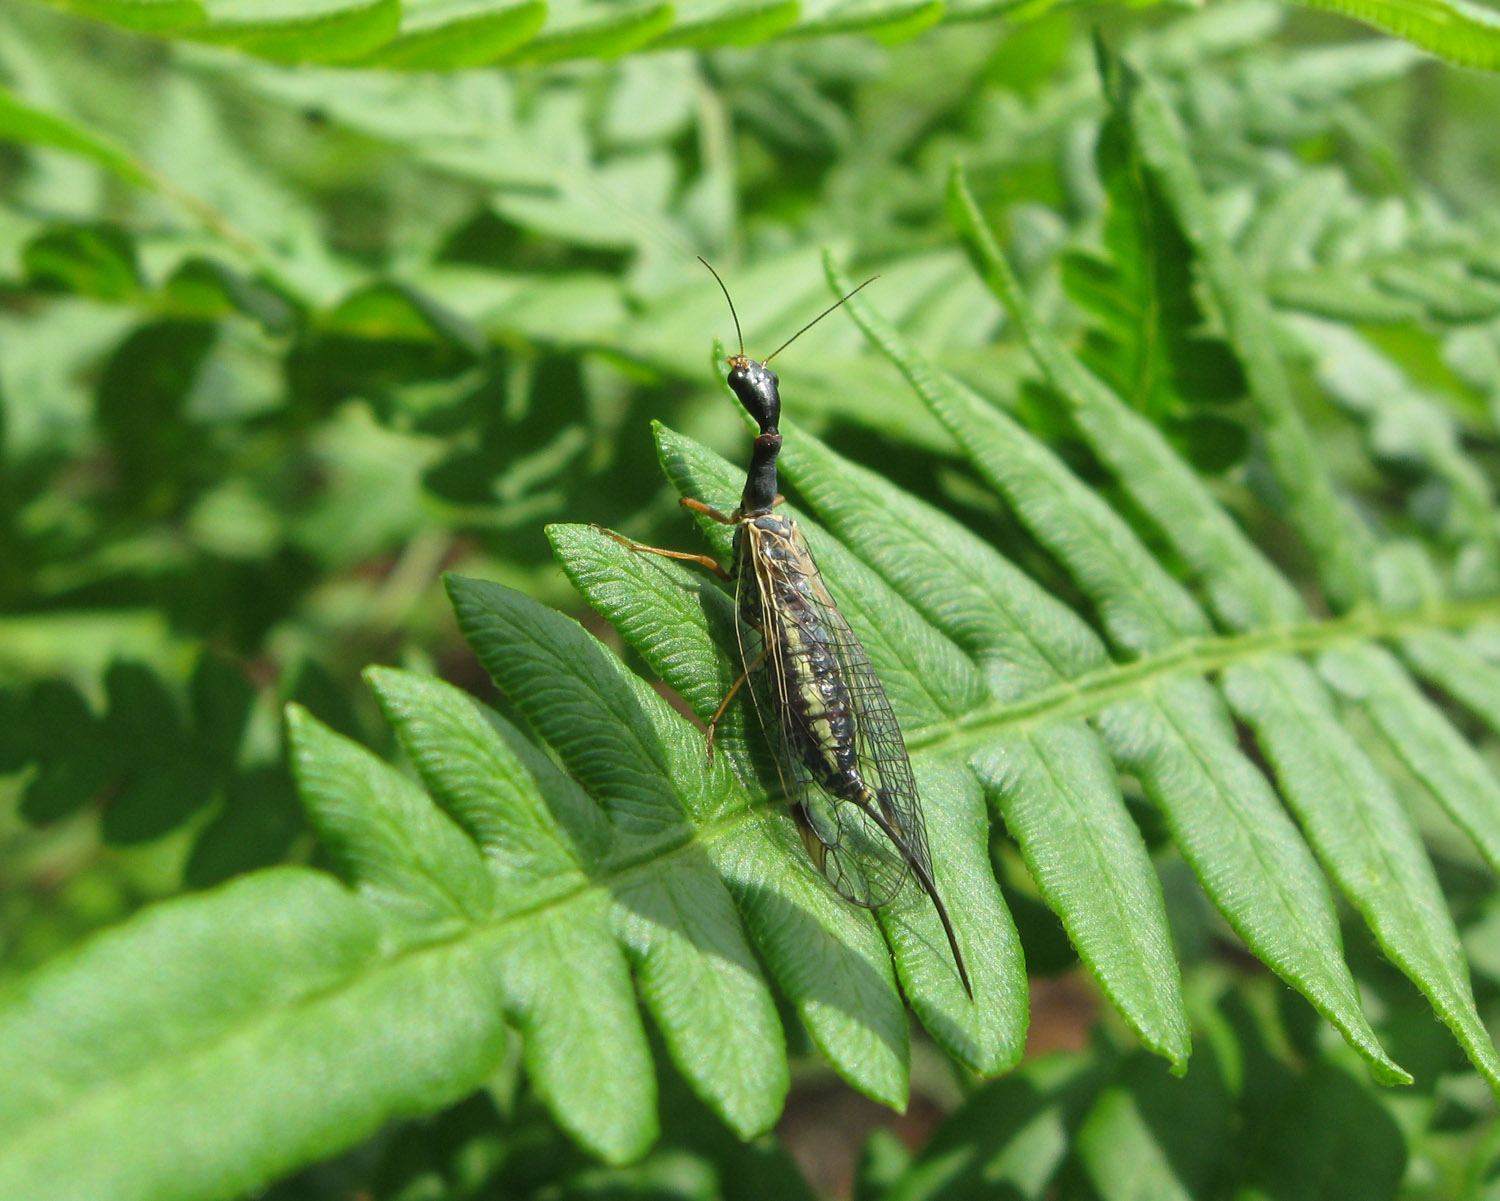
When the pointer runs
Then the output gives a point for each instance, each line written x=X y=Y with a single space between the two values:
x=686 y=556
x=698 y=506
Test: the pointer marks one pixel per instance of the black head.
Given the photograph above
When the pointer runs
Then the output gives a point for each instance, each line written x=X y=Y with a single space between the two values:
x=756 y=386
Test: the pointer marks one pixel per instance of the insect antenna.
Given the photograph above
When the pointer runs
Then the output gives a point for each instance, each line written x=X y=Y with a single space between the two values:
x=732 y=313
x=815 y=320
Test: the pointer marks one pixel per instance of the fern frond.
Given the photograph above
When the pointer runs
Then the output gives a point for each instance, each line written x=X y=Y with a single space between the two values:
x=1353 y=821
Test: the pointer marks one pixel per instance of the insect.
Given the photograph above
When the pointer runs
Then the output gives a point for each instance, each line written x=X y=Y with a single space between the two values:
x=838 y=748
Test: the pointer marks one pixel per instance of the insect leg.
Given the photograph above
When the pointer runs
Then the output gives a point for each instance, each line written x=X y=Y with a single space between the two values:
x=713 y=722
x=702 y=560
x=698 y=506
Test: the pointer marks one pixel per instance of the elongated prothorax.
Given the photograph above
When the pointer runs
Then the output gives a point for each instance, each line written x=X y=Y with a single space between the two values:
x=756 y=387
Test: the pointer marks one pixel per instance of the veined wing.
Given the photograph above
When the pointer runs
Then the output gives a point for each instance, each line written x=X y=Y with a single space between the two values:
x=837 y=745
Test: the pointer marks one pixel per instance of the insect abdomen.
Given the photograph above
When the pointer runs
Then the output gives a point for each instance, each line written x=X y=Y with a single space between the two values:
x=823 y=724
x=822 y=728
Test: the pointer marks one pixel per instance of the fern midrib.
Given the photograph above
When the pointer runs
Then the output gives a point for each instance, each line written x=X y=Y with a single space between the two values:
x=98 y=1092
x=1078 y=697
x=471 y=936
x=1089 y=692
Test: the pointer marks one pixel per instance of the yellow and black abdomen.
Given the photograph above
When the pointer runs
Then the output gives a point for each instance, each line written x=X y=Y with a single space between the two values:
x=803 y=654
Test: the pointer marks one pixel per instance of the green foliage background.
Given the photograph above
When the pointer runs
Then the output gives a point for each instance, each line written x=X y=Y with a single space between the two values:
x=1157 y=472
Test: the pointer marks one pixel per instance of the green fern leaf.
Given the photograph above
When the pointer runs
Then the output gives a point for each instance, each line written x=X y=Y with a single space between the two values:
x=263 y=1024
x=1145 y=336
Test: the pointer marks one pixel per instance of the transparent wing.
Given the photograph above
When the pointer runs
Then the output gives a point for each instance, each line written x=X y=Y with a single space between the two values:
x=868 y=841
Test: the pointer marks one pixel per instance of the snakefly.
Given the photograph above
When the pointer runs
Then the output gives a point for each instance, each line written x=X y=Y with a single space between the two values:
x=838 y=749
